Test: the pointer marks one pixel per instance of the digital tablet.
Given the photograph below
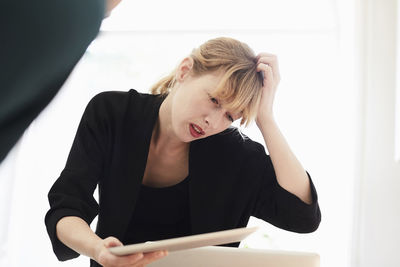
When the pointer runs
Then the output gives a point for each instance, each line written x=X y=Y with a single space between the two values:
x=186 y=242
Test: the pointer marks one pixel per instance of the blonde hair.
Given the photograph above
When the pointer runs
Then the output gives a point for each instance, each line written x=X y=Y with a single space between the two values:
x=240 y=86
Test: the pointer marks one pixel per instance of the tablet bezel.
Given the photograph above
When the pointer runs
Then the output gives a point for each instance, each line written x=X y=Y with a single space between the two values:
x=186 y=242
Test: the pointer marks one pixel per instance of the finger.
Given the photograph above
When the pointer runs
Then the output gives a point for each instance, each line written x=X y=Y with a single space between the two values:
x=267 y=58
x=152 y=256
x=112 y=242
x=267 y=70
x=126 y=260
x=134 y=258
x=274 y=65
x=264 y=68
x=264 y=54
x=270 y=60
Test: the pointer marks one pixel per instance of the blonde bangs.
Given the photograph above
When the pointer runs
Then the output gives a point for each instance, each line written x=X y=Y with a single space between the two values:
x=240 y=87
x=240 y=91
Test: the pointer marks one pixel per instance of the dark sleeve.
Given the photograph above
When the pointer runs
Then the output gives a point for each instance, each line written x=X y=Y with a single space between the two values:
x=41 y=42
x=72 y=193
x=279 y=207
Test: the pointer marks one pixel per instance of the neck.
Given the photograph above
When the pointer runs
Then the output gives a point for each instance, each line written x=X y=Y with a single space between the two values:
x=163 y=137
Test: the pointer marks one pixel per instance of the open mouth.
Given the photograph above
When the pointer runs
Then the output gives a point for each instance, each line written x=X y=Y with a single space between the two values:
x=195 y=130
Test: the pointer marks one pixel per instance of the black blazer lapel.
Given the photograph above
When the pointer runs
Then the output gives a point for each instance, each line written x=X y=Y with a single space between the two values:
x=129 y=170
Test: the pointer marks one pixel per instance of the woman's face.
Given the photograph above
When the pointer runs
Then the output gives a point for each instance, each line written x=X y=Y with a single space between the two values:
x=196 y=112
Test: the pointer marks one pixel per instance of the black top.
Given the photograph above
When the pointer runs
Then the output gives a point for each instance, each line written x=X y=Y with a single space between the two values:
x=160 y=213
x=231 y=176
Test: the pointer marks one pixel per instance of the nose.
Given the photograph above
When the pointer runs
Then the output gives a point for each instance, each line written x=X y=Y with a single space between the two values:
x=213 y=119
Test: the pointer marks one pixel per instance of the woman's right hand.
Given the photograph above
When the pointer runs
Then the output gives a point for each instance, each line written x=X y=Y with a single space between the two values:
x=104 y=257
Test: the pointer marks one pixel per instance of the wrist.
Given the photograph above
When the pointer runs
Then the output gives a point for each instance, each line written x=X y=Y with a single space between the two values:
x=265 y=120
x=96 y=249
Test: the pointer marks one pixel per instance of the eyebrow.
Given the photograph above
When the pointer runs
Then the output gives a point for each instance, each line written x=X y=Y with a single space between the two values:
x=239 y=115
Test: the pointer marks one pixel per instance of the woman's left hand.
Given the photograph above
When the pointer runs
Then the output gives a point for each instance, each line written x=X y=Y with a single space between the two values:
x=268 y=65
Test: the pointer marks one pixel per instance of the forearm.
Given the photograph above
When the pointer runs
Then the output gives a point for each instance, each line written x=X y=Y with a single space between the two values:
x=75 y=233
x=290 y=174
x=110 y=5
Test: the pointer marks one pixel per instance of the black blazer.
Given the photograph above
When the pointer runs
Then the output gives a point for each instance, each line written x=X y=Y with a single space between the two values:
x=232 y=178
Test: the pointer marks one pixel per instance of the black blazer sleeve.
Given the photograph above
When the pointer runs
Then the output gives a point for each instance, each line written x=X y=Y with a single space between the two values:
x=72 y=193
x=276 y=205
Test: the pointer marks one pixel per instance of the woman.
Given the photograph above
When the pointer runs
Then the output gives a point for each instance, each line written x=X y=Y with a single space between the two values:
x=169 y=164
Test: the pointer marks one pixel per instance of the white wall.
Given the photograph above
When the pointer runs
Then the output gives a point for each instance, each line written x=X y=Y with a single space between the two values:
x=377 y=233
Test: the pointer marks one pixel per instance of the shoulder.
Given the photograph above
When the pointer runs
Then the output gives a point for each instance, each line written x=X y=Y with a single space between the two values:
x=116 y=103
x=119 y=99
x=235 y=138
x=234 y=144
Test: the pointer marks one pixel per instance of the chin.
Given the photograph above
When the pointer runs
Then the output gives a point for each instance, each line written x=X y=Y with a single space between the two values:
x=184 y=136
